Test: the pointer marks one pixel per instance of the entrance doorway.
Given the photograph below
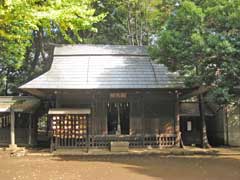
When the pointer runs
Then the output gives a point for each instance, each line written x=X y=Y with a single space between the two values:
x=190 y=128
x=118 y=117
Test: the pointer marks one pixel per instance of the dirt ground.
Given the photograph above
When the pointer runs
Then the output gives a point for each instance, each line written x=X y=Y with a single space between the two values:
x=137 y=167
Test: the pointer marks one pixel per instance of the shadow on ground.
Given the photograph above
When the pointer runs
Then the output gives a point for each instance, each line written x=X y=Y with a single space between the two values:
x=122 y=167
x=169 y=167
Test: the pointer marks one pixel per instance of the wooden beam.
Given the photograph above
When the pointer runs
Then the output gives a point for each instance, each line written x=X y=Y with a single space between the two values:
x=35 y=92
x=196 y=92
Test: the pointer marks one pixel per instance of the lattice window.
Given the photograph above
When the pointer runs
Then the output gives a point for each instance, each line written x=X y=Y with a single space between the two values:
x=4 y=120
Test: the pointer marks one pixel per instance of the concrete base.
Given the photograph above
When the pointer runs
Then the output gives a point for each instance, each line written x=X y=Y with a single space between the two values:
x=12 y=147
x=119 y=146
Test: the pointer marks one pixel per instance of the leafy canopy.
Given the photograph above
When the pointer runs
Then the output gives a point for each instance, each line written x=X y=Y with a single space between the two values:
x=201 y=39
x=24 y=23
x=131 y=22
x=19 y=18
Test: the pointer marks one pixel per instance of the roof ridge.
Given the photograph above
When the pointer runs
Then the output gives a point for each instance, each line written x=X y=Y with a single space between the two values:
x=66 y=55
x=82 y=49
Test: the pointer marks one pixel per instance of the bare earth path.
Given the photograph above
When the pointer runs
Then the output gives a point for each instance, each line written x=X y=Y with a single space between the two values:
x=120 y=167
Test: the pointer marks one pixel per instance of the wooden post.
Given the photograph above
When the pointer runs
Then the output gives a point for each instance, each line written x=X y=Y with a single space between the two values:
x=177 y=121
x=35 y=129
x=118 y=122
x=30 y=129
x=12 y=130
x=88 y=138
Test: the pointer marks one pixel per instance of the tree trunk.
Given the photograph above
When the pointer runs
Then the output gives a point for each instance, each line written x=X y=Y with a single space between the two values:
x=38 y=41
x=6 y=83
x=130 y=36
x=141 y=33
x=136 y=28
x=204 y=138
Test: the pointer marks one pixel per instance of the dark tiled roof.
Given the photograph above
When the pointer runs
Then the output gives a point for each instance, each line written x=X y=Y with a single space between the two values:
x=104 y=67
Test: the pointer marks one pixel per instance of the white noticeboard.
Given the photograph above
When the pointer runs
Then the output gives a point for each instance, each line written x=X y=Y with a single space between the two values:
x=189 y=125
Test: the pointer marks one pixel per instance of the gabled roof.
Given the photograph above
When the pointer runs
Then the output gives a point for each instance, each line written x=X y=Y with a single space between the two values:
x=104 y=67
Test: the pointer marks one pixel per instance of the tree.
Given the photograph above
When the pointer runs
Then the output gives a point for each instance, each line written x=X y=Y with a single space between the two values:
x=27 y=28
x=132 y=22
x=201 y=40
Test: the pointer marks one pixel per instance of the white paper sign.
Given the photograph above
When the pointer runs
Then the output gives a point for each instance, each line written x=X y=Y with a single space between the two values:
x=189 y=125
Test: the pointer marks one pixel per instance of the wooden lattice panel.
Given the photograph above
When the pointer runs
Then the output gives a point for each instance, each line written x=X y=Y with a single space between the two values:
x=4 y=120
x=69 y=130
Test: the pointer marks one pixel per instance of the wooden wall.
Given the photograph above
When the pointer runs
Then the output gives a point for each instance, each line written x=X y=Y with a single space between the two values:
x=159 y=113
x=151 y=112
x=99 y=116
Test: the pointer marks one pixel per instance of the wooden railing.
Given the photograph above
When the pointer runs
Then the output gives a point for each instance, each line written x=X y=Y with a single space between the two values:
x=103 y=141
x=135 y=141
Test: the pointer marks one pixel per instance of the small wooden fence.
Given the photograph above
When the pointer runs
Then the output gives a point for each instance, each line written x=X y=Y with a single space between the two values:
x=135 y=141
x=103 y=141
x=21 y=129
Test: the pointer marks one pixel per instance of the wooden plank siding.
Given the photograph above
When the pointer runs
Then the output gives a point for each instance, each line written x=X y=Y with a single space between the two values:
x=150 y=113
x=100 y=117
x=136 y=115
x=159 y=113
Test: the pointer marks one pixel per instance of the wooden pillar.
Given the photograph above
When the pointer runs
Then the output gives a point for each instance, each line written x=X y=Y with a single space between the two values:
x=34 y=129
x=30 y=129
x=12 y=129
x=177 y=121
x=118 y=122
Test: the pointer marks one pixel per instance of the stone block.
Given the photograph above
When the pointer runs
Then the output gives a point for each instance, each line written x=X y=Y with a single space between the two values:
x=119 y=146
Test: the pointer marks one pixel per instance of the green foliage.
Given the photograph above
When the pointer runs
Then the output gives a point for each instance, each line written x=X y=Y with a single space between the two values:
x=129 y=22
x=201 y=40
x=27 y=27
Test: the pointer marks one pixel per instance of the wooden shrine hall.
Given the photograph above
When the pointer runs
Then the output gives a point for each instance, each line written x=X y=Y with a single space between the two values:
x=109 y=93
x=106 y=96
